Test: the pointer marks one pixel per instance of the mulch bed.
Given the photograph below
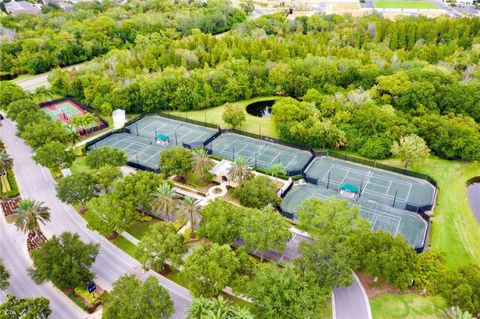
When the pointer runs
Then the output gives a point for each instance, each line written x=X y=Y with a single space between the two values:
x=9 y=205
x=374 y=289
x=35 y=240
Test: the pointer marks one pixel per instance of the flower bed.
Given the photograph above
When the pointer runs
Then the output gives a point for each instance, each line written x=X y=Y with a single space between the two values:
x=9 y=205
x=34 y=240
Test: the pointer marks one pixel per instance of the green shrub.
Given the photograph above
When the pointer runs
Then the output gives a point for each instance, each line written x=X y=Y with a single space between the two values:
x=90 y=298
x=13 y=185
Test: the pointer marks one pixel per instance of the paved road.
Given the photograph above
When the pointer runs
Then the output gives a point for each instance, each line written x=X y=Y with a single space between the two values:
x=36 y=182
x=351 y=302
x=14 y=254
x=32 y=83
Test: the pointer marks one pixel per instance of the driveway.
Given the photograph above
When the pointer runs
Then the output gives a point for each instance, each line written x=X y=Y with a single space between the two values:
x=36 y=182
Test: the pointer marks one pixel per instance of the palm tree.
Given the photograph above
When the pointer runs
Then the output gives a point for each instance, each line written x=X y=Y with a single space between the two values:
x=454 y=313
x=163 y=202
x=6 y=162
x=198 y=308
x=188 y=210
x=241 y=313
x=41 y=91
x=240 y=172
x=201 y=163
x=29 y=214
x=2 y=145
x=277 y=169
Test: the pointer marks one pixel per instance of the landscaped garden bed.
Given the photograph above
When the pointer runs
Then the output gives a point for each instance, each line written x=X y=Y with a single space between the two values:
x=9 y=205
x=35 y=240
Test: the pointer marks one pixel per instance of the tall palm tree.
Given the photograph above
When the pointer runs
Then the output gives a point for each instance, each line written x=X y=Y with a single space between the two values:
x=454 y=313
x=6 y=162
x=163 y=202
x=188 y=210
x=201 y=163
x=29 y=214
x=240 y=172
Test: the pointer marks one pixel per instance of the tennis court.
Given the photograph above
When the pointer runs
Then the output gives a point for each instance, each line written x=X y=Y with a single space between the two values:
x=376 y=185
x=393 y=220
x=140 y=150
x=178 y=132
x=259 y=153
x=64 y=111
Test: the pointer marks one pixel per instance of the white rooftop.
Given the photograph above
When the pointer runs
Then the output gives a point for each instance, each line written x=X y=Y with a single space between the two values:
x=221 y=168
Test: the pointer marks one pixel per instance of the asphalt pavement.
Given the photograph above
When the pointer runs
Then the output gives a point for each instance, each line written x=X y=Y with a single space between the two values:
x=35 y=182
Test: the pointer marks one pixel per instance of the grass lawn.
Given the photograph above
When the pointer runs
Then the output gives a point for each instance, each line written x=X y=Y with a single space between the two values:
x=252 y=123
x=455 y=231
x=139 y=229
x=406 y=306
x=404 y=5
x=80 y=166
x=125 y=245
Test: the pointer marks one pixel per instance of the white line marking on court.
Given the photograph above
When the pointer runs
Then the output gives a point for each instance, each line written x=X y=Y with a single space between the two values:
x=369 y=176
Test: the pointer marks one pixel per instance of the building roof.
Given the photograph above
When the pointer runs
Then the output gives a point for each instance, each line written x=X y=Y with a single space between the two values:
x=221 y=168
x=19 y=7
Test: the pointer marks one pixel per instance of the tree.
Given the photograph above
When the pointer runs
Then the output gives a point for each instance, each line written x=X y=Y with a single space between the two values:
x=83 y=121
x=265 y=229
x=201 y=163
x=138 y=187
x=234 y=115
x=283 y=293
x=210 y=268
x=188 y=210
x=176 y=161
x=164 y=201
x=65 y=260
x=240 y=172
x=29 y=214
x=106 y=155
x=105 y=176
x=277 y=170
x=331 y=218
x=39 y=133
x=454 y=313
x=110 y=214
x=4 y=276
x=6 y=162
x=410 y=149
x=77 y=188
x=10 y=92
x=27 y=308
x=221 y=222
x=130 y=298
x=257 y=193
x=53 y=155
x=161 y=243
x=18 y=106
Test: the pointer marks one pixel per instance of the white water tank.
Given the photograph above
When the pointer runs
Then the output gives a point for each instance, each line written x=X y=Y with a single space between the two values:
x=118 y=118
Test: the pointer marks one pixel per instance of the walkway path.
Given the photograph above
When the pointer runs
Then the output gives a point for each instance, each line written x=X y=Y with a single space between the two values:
x=35 y=81
x=351 y=302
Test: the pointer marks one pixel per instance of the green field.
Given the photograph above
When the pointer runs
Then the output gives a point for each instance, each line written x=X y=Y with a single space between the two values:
x=385 y=4
x=455 y=231
x=252 y=123
x=406 y=307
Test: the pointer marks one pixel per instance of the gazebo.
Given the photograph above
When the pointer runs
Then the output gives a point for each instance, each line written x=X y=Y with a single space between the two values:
x=221 y=173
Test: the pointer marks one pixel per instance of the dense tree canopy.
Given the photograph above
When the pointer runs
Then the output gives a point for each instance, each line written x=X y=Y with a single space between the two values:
x=14 y=308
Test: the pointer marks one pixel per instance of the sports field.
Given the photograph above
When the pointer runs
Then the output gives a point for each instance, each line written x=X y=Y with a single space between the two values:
x=139 y=149
x=259 y=153
x=376 y=185
x=386 y=4
x=64 y=111
x=396 y=221
x=178 y=132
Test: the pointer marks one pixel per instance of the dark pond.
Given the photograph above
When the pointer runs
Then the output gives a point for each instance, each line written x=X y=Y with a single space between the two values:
x=261 y=108
x=474 y=196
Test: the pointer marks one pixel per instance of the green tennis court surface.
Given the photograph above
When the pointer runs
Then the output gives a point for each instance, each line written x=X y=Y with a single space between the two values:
x=178 y=132
x=404 y=5
x=140 y=150
x=376 y=185
x=259 y=153
x=396 y=221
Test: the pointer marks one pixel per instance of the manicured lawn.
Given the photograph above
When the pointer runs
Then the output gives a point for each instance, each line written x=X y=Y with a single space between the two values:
x=139 y=229
x=404 y=5
x=252 y=123
x=406 y=306
x=80 y=165
x=125 y=245
x=455 y=231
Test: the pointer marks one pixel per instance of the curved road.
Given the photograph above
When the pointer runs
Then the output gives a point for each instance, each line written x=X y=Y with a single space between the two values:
x=36 y=182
